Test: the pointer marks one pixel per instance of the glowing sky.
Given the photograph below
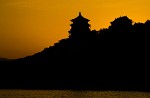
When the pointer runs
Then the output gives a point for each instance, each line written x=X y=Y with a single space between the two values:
x=29 y=26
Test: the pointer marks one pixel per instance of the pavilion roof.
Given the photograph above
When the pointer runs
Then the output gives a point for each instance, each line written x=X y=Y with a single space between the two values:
x=79 y=18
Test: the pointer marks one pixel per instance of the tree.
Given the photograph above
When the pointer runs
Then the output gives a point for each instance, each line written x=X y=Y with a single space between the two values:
x=121 y=24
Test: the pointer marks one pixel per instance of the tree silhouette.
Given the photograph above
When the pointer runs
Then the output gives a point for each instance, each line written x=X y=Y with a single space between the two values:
x=88 y=58
x=121 y=23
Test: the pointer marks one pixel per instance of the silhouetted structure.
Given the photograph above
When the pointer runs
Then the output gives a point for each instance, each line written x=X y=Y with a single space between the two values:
x=114 y=58
x=79 y=28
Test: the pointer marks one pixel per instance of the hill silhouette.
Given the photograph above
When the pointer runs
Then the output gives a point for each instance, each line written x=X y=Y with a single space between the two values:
x=113 y=58
x=4 y=59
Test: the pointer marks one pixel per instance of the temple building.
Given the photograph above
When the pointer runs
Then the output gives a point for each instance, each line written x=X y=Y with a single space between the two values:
x=80 y=27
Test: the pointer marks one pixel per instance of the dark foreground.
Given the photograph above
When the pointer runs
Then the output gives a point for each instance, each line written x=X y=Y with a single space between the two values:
x=111 y=74
x=116 y=58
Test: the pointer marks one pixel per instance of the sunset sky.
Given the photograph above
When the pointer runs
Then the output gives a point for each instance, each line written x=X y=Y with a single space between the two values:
x=29 y=26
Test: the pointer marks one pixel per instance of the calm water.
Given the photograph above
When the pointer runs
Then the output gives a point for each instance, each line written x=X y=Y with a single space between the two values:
x=70 y=94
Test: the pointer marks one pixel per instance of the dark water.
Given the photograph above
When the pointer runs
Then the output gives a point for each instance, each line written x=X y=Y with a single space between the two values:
x=70 y=94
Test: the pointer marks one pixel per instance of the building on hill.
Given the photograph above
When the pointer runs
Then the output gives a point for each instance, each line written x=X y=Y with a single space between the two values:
x=80 y=28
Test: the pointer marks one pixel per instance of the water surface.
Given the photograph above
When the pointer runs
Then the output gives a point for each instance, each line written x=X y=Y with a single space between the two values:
x=70 y=94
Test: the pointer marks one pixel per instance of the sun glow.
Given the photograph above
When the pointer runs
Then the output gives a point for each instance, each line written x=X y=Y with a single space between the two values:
x=29 y=26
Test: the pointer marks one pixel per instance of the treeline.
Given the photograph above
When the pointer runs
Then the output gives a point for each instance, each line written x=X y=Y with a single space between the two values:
x=117 y=56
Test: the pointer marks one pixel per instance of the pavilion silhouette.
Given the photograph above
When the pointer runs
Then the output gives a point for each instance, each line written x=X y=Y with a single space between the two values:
x=113 y=58
x=79 y=28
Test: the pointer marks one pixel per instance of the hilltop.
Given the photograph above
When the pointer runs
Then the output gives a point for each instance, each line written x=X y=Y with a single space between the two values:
x=112 y=58
x=4 y=59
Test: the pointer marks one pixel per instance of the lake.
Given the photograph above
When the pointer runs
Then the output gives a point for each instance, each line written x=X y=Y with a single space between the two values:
x=70 y=94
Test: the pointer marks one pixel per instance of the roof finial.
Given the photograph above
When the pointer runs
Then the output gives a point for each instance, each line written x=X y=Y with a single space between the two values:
x=79 y=13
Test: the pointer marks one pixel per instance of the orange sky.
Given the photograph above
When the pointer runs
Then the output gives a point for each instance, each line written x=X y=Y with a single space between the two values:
x=29 y=26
